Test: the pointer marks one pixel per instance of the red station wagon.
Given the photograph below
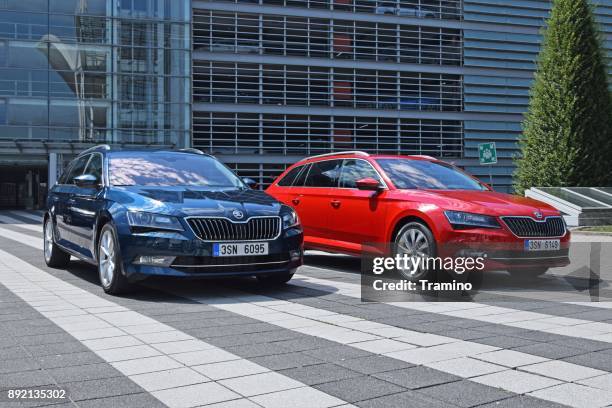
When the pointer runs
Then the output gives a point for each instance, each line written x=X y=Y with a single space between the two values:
x=350 y=201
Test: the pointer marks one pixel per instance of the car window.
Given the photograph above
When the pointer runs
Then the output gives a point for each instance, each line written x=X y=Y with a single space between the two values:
x=324 y=174
x=170 y=169
x=290 y=177
x=77 y=169
x=301 y=178
x=427 y=175
x=95 y=167
x=354 y=170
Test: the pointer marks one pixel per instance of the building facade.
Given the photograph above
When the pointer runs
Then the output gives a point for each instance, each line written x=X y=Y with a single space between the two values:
x=276 y=80
x=263 y=83
x=74 y=73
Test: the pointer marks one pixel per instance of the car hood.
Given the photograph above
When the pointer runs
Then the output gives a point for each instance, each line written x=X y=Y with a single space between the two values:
x=488 y=202
x=194 y=201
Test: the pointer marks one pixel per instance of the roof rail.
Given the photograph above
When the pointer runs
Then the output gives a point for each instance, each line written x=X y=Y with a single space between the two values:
x=191 y=150
x=95 y=149
x=355 y=152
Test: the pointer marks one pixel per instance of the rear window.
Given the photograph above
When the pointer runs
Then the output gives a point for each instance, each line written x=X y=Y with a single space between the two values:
x=170 y=169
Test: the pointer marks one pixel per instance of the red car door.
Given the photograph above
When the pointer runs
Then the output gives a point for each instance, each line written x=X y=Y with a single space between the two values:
x=358 y=216
x=313 y=206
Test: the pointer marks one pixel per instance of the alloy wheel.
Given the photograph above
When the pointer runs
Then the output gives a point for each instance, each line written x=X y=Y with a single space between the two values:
x=413 y=243
x=48 y=240
x=107 y=258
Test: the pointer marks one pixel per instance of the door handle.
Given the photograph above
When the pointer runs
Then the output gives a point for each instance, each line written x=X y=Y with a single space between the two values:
x=335 y=203
x=295 y=201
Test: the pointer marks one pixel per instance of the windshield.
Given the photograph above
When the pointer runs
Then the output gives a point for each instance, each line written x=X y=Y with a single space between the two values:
x=170 y=169
x=427 y=175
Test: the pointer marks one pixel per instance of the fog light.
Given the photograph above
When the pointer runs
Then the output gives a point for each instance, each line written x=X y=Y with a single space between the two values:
x=295 y=255
x=154 y=260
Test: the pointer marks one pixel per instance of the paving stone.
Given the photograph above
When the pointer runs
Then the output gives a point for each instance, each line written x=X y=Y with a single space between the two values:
x=405 y=399
x=195 y=395
x=359 y=388
x=597 y=360
x=26 y=379
x=297 y=398
x=509 y=358
x=67 y=360
x=108 y=387
x=230 y=369
x=258 y=384
x=56 y=348
x=522 y=401
x=336 y=353
x=417 y=377
x=319 y=374
x=506 y=342
x=18 y=364
x=603 y=382
x=518 y=382
x=465 y=393
x=563 y=371
x=146 y=365
x=373 y=364
x=466 y=367
x=284 y=361
x=575 y=395
x=142 y=400
x=200 y=357
x=161 y=380
x=257 y=350
x=83 y=372
x=549 y=350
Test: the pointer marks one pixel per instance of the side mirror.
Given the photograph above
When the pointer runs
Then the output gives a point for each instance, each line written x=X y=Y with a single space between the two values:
x=369 y=184
x=86 y=181
x=250 y=182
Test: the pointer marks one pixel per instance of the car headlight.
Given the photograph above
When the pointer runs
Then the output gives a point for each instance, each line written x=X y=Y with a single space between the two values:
x=462 y=220
x=153 y=221
x=290 y=219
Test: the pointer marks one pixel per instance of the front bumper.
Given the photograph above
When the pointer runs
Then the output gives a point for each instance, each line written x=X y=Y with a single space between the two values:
x=502 y=250
x=193 y=257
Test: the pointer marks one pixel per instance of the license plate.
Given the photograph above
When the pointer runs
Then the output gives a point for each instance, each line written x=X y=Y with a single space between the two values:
x=542 y=245
x=240 y=249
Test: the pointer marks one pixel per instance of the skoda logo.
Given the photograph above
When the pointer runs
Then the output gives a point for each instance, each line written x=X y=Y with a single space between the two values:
x=238 y=214
x=538 y=215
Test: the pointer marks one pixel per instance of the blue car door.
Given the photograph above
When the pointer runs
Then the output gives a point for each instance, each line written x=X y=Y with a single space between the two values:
x=62 y=201
x=85 y=204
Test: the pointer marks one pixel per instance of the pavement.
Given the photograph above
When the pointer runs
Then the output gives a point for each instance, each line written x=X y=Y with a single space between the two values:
x=312 y=343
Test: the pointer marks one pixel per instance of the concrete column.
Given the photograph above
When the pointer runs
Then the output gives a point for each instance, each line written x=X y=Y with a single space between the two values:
x=53 y=170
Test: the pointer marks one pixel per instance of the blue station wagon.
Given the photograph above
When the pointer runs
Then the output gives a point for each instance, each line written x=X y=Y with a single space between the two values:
x=137 y=213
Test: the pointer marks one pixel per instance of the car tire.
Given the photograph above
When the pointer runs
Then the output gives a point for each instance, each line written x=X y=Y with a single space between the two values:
x=415 y=237
x=110 y=268
x=276 y=279
x=528 y=272
x=54 y=256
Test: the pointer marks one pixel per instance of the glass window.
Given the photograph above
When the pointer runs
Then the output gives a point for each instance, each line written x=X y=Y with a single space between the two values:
x=427 y=175
x=76 y=169
x=289 y=179
x=94 y=167
x=324 y=174
x=301 y=179
x=2 y=112
x=170 y=169
x=354 y=170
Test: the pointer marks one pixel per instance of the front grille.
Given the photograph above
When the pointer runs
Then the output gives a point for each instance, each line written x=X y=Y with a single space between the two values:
x=223 y=229
x=525 y=227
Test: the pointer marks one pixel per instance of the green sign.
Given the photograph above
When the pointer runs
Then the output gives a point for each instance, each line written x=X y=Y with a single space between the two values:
x=487 y=153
